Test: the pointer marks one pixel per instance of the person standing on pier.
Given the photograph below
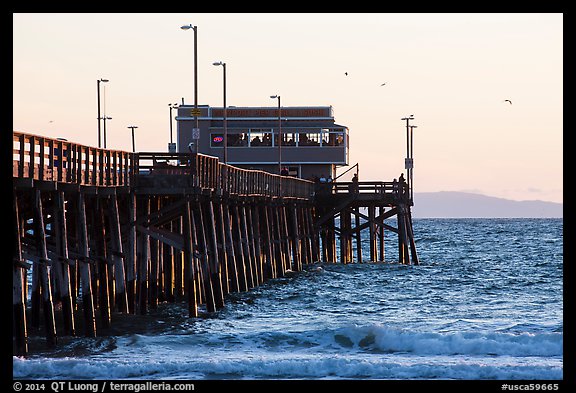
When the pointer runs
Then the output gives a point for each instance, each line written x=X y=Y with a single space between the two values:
x=354 y=185
x=402 y=182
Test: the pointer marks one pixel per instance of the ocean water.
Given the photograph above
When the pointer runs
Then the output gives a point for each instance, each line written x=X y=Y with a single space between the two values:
x=485 y=303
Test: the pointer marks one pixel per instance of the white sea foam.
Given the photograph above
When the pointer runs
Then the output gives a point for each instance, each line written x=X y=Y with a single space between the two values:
x=281 y=366
x=371 y=351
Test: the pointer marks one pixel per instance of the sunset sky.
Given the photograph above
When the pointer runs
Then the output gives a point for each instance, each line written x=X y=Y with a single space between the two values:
x=451 y=71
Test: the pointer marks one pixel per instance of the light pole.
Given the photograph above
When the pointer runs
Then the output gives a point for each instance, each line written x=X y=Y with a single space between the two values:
x=412 y=162
x=98 y=96
x=105 y=118
x=133 y=141
x=279 y=135
x=408 y=163
x=225 y=118
x=196 y=114
x=172 y=106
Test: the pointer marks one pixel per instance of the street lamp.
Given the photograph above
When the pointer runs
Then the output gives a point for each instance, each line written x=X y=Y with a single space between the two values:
x=195 y=28
x=98 y=95
x=133 y=141
x=225 y=118
x=412 y=162
x=172 y=106
x=409 y=163
x=105 y=118
x=279 y=135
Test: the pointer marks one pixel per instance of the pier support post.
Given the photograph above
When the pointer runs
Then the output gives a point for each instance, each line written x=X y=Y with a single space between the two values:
x=213 y=255
x=84 y=268
x=264 y=224
x=381 y=235
x=143 y=261
x=20 y=332
x=121 y=300
x=255 y=219
x=44 y=289
x=239 y=248
x=372 y=231
x=230 y=253
x=189 y=260
x=131 y=255
x=358 y=235
x=200 y=228
x=63 y=271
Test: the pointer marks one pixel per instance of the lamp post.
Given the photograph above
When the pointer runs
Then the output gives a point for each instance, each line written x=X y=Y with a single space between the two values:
x=105 y=118
x=225 y=117
x=412 y=162
x=279 y=135
x=408 y=163
x=172 y=106
x=195 y=28
x=133 y=141
x=98 y=99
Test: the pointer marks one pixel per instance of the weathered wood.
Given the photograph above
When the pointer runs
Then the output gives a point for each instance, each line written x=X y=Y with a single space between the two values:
x=143 y=262
x=233 y=273
x=239 y=249
x=44 y=272
x=410 y=233
x=294 y=236
x=257 y=242
x=372 y=231
x=222 y=246
x=84 y=269
x=246 y=247
x=189 y=264
x=251 y=246
x=121 y=299
x=358 y=235
x=20 y=332
x=131 y=255
x=269 y=270
x=168 y=260
x=199 y=225
x=102 y=263
x=285 y=241
x=381 y=236
x=276 y=242
x=62 y=272
x=213 y=255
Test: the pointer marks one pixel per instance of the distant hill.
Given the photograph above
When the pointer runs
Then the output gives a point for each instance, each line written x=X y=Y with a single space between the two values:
x=451 y=204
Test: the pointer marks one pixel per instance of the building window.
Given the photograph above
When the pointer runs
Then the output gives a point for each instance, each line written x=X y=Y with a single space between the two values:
x=289 y=138
x=333 y=137
x=238 y=139
x=260 y=137
x=309 y=139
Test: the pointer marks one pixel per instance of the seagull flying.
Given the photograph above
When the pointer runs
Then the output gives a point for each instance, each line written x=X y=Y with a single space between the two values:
x=508 y=101
x=382 y=84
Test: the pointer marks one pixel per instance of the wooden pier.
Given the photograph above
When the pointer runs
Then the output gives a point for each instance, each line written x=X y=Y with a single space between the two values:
x=99 y=232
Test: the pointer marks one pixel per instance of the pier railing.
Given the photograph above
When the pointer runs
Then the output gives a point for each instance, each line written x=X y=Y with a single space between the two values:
x=47 y=159
x=56 y=160
x=208 y=172
x=397 y=189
